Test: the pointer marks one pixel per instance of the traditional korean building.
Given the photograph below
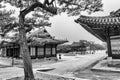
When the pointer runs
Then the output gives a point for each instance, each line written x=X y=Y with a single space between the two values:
x=106 y=28
x=78 y=47
x=40 y=43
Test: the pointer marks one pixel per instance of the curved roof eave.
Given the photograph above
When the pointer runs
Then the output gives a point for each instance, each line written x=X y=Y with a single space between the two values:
x=90 y=30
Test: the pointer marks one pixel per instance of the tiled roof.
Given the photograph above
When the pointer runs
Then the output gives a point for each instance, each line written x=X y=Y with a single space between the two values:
x=98 y=22
x=42 y=37
x=77 y=44
x=39 y=38
x=40 y=33
x=41 y=41
x=99 y=25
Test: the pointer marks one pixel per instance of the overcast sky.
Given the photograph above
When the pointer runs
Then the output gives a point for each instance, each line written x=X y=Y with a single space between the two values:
x=64 y=27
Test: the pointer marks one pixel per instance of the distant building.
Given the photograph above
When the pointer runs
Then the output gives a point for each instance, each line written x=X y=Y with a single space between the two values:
x=78 y=47
x=40 y=44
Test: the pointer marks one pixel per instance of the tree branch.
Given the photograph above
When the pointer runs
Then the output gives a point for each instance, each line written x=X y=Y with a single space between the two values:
x=9 y=27
x=38 y=4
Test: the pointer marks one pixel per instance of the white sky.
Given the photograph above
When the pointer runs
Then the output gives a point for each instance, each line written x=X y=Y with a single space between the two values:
x=64 y=27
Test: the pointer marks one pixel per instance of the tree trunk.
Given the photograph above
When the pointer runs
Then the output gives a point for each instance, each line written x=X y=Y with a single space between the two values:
x=28 y=72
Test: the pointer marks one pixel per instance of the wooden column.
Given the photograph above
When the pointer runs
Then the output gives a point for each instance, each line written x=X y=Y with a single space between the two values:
x=29 y=47
x=44 y=50
x=36 y=52
x=19 y=51
x=108 y=43
x=56 y=50
x=51 y=50
x=13 y=52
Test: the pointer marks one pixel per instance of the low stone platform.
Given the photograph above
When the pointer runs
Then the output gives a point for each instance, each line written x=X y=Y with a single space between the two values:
x=103 y=66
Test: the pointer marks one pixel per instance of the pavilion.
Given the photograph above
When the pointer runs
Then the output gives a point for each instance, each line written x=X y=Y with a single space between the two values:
x=40 y=43
x=106 y=28
x=79 y=48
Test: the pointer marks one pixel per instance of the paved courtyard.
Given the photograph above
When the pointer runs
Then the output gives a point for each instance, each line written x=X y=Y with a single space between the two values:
x=66 y=66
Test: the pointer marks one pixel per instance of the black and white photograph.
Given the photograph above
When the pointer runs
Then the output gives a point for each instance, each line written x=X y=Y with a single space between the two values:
x=59 y=39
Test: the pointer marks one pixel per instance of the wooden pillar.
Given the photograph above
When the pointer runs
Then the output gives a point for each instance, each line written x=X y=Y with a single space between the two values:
x=13 y=55
x=16 y=52
x=44 y=50
x=19 y=51
x=56 y=50
x=9 y=51
x=109 y=43
x=51 y=50
x=29 y=49
x=109 y=58
x=36 y=52
x=13 y=52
